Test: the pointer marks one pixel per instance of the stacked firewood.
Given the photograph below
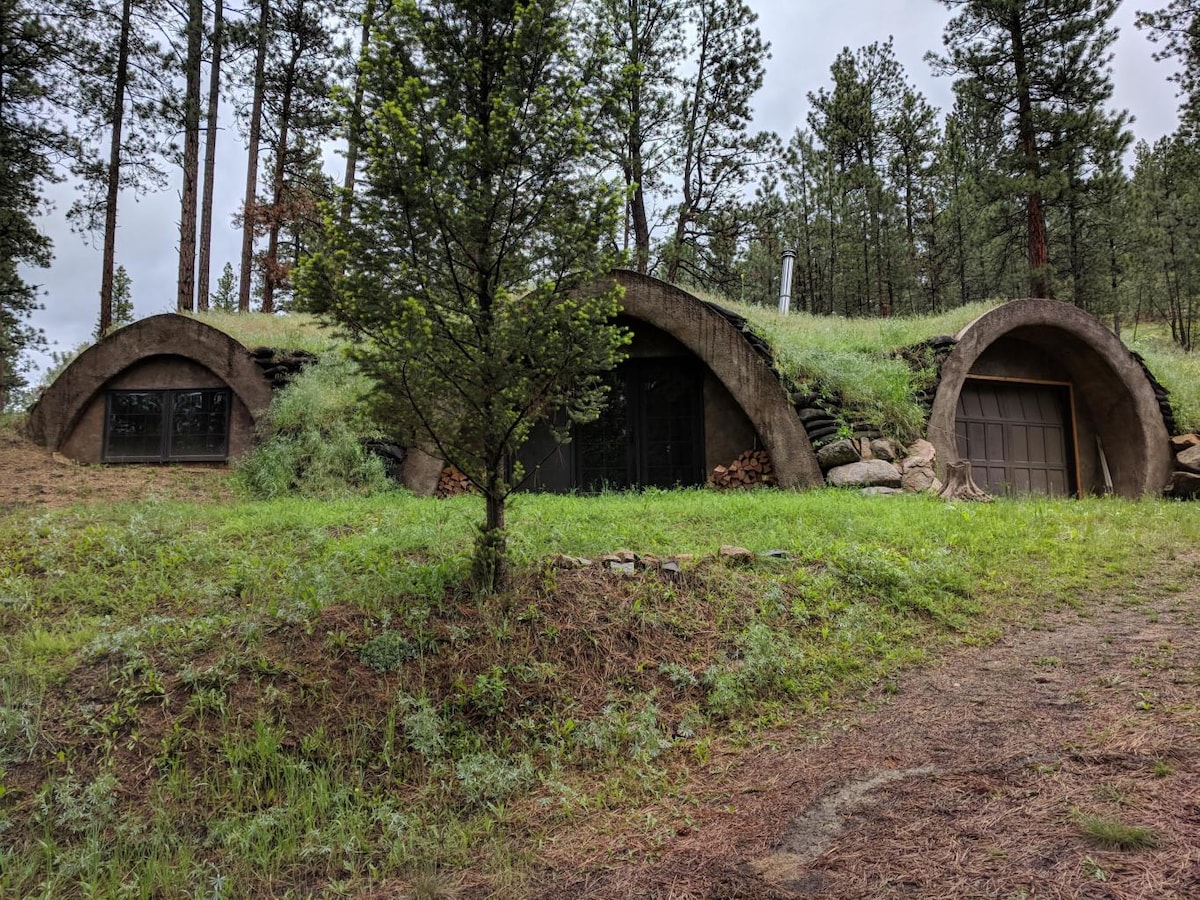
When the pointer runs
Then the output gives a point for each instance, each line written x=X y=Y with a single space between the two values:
x=451 y=483
x=750 y=469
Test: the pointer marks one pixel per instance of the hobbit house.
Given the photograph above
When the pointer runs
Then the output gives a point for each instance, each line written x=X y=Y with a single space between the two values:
x=1036 y=395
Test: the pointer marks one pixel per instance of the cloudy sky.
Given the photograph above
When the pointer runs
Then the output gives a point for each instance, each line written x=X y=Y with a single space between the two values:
x=805 y=37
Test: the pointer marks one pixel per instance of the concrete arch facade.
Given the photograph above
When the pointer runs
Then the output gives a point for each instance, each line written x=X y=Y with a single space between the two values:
x=748 y=378
x=164 y=351
x=1116 y=420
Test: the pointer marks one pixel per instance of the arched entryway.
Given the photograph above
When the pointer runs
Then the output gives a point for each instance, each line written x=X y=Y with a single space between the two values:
x=1042 y=398
x=694 y=394
x=166 y=388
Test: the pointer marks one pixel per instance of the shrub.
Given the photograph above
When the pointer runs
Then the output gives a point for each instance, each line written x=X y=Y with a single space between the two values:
x=312 y=438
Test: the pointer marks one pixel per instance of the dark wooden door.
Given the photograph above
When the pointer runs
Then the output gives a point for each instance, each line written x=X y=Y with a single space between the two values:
x=1017 y=437
x=651 y=434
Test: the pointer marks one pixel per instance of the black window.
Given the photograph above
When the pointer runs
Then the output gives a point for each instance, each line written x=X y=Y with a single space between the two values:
x=156 y=426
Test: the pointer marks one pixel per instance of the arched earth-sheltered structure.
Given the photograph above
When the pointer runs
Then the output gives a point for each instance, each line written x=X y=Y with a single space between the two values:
x=1040 y=397
x=694 y=393
x=166 y=388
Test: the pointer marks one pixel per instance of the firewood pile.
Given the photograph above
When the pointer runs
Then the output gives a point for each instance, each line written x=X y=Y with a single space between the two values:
x=451 y=483
x=750 y=469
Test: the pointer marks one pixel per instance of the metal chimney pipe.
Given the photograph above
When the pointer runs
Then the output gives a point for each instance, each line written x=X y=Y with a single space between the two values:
x=785 y=282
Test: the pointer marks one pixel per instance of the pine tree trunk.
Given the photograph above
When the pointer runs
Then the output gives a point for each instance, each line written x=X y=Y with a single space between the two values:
x=352 y=135
x=255 y=138
x=186 y=300
x=271 y=263
x=490 y=565
x=120 y=78
x=210 y=159
x=1039 y=254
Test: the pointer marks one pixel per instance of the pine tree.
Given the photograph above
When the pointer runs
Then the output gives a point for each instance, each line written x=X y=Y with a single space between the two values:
x=297 y=114
x=1043 y=66
x=119 y=92
x=466 y=312
x=30 y=140
x=718 y=154
x=224 y=298
x=639 y=44
x=1177 y=28
x=122 y=304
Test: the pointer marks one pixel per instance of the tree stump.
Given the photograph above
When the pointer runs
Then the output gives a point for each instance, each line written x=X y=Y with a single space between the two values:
x=961 y=486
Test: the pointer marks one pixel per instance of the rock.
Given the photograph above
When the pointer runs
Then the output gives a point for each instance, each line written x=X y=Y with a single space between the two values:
x=839 y=453
x=775 y=554
x=1185 y=484
x=918 y=478
x=648 y=562
x=670 y=567
x=920 y=453
x=868 y=473
x=1182 y=441
x=620 y=556
x=864 y=448
x=880 y=491
x=735 y=555
x=624 y=568
x=1189 y=458
x=886 y=450
x=562 y=561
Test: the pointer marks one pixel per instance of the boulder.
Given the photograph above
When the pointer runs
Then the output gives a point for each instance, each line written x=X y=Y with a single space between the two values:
x=1185 y=484
x=1182 y=441
x=839 y=453
x=880 y=492
x=917 y=479
x=920 y=453
x=887 y=450
x=1189 y=458
x=867 y=473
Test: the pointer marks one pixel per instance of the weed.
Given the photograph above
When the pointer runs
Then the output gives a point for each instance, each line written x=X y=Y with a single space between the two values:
x=1114 y=834
x=387 y=652
x=1161 y=768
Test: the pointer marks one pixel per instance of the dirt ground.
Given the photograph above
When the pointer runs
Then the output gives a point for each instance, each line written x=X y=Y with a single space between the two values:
x=31 y=476
x=984 y=776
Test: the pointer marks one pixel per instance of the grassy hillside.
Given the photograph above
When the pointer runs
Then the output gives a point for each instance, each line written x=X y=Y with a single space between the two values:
x=292 y=696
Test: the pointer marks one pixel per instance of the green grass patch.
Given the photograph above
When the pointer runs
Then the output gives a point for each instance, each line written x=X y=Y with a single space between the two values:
x=1178 y=371
x=1116 y=835
x=284 y=331
x=855 y=361
x=294 y=695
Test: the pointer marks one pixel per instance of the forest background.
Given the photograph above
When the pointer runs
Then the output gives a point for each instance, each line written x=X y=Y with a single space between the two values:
x=889 y=182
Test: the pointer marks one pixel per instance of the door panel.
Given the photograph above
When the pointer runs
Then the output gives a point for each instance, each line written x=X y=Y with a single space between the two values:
x=1016 y=436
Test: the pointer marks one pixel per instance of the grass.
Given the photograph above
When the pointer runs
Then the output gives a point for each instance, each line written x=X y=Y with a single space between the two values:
x=1116 y=835
x=291 y=695
x=1179 y=372
x=286 y=331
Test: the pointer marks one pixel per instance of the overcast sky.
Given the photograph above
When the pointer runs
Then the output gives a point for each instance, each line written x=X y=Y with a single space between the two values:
x=805 y=37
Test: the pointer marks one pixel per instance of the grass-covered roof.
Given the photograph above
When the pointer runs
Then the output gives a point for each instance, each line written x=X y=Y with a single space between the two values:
x=854 y=361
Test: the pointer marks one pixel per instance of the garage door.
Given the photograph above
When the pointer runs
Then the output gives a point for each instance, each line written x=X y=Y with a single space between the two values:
x=1016 y=436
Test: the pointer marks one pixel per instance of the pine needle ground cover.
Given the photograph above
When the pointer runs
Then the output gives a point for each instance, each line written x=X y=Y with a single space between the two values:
x=258 y=699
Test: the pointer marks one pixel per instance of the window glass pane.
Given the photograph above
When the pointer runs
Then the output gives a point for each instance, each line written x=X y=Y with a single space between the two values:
x=134 y=425
x=199 y=424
